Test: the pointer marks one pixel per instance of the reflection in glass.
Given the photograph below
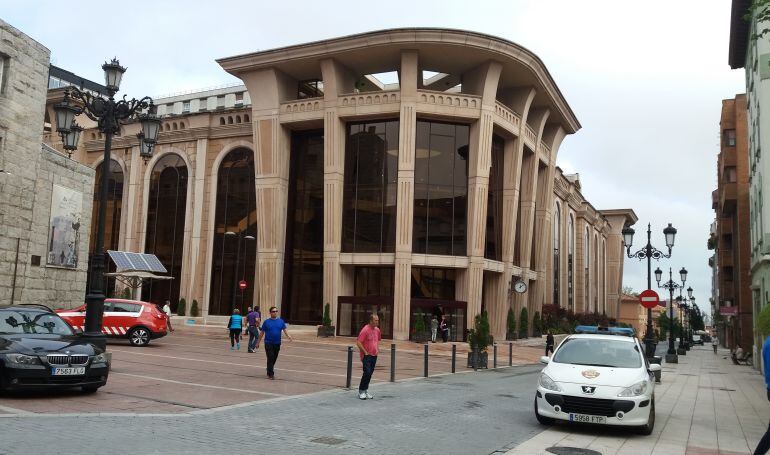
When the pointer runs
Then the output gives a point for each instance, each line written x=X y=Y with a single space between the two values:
x=441 y=188
x=112 y=219
x=494 y=234
x=234 y=256
x=303 y=269
x=371 y=176
x=167 y=203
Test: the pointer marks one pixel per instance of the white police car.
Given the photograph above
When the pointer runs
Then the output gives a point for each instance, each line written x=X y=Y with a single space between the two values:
x=598 y=376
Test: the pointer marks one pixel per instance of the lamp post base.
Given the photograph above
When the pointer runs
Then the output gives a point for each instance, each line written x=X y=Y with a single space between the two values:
x=98 y=339
x=672 y=358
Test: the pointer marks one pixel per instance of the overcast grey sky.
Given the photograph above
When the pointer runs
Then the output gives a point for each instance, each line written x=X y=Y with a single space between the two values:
x=645 y=79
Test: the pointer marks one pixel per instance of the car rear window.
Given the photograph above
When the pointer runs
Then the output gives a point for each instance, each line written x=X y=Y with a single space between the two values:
x=598 y=352
x=32 y=322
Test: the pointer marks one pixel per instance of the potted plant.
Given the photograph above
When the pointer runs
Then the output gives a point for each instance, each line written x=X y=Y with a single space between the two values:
x=194 y=309
x=479 y=340
x=524 y=324
x=420 y=330
x=327 y=329
x=510 y=333
x=181 y=307
x=537 y=325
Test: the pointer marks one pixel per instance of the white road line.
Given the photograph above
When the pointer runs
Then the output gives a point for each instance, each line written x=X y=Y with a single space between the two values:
x=200 y=385
x=230 y=363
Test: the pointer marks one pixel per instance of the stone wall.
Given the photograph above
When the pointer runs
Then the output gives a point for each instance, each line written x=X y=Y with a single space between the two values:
x=29 y=172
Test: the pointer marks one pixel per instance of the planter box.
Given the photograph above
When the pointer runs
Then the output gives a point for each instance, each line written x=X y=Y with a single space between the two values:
x=326 y=331
x=421 y=337
x=481 y=361
x=511 y=336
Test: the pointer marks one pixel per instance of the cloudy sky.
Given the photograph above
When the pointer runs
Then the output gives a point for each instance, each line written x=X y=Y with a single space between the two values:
x=646 y=79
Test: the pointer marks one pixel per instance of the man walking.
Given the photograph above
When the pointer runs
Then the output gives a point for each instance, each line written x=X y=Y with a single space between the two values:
x=368 y=343
x=714 y=343
x=253 y=318
x=764 y=443
x=549 y=343
x=271 y=331
x=167 y=310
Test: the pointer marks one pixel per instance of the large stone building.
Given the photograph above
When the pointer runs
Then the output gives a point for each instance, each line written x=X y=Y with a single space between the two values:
x=731 y=240
x=398 y=171
x=45 y=199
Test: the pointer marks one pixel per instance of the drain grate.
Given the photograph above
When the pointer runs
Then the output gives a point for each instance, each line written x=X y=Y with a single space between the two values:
x=571 y=451
x=328 y=441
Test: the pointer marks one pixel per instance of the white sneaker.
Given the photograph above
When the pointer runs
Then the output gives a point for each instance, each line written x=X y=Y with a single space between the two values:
x=362 y=395
x=368 y=396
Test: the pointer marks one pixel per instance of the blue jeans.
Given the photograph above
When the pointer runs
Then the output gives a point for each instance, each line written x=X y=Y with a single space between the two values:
x=369 y=362
x=253 y=337
x=764 y=443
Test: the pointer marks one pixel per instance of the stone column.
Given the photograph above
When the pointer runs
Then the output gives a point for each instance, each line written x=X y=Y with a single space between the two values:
x=196 y=263
x=402 y=291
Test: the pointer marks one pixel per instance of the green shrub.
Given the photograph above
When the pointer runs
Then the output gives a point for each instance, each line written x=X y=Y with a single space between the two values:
x=126 y=293
x=524 y=323
x=763 y=321
x=181 y=307
x=194 y=312
x=537 y=324
x=479 y=338
x=511 y=322
x=327 y=321
x=419 y=323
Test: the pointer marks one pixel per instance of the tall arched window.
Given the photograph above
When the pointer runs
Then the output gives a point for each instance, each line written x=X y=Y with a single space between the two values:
x=112 y=220
x=587 y=272
x=166 y=209
x=597 y=259
x=556 y=252
x=235 y=231
x=570 y=263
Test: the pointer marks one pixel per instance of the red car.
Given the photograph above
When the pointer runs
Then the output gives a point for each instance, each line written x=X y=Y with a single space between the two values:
x=138 y=321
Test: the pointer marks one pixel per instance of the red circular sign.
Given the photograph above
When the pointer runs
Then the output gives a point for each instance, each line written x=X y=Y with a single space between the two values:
x=649 y=298
x=242 y=284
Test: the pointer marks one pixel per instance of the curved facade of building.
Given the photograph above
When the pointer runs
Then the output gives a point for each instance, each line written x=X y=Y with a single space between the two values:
x=410 y=172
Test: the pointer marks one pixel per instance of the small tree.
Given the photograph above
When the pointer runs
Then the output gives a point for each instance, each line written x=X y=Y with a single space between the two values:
x=419 y=323
x=511 y=322
x=182 y=307
x=479 y=338
x=524 y=323
x=763 y=321
x=327 y=320
x=537 y=324
x=194 y=312
x=126 y=293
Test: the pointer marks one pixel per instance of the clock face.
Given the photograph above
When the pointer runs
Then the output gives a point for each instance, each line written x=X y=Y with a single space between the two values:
x=520 y=287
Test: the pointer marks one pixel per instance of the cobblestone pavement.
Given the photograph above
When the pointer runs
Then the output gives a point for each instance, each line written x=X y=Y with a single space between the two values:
x=469 y=413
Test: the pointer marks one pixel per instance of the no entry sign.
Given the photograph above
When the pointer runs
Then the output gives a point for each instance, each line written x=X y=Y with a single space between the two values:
x=649 y=298
x=242 y=284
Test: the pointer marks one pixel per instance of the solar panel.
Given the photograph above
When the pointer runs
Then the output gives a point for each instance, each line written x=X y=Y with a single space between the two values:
x=140 y=262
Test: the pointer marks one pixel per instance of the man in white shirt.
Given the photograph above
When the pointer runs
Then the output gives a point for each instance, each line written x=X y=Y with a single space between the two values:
x=167 y=310
x=714 y=343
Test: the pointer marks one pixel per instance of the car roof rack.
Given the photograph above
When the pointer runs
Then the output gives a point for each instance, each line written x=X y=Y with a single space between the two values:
x=598 y=330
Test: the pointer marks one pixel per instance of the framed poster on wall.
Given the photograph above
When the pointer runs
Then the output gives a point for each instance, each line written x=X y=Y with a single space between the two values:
x=64 y=227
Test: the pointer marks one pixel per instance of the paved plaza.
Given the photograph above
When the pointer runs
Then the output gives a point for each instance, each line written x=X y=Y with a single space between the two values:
x=189 y=393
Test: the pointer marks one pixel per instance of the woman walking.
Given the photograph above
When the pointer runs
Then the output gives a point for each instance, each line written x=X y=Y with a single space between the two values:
x=235 y=325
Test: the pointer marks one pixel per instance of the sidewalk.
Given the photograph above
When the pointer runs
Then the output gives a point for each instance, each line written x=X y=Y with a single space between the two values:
x=705 y=405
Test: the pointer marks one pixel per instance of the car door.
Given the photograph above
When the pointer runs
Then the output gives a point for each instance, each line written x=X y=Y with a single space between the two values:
x=120 y=318
x=75 y=317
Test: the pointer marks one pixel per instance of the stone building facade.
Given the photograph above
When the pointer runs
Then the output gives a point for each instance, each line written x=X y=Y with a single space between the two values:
x=29 y=172
x=409 y=172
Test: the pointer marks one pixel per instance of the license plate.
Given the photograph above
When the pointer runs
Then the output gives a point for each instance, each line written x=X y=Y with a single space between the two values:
x=73 y=371
x=584 y=418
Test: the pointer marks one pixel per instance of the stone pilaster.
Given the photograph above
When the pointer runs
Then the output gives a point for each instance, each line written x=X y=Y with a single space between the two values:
x=196 y=265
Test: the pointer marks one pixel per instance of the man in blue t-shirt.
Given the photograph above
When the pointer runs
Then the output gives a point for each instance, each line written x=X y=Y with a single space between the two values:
x=271 y=331
x=764 y=443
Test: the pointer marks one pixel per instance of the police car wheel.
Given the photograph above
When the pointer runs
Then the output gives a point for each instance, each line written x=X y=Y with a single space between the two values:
x=647 y=429
x=542 y=419
x=139 y=336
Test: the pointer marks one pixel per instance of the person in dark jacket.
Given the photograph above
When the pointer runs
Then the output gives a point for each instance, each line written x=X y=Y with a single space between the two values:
x=549 y=343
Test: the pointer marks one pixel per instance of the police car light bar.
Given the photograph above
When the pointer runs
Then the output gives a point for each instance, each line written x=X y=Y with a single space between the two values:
x=625 y=331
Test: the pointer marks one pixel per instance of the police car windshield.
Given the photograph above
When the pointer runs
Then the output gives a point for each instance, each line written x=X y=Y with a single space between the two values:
x=32 y=322
x=598 y=352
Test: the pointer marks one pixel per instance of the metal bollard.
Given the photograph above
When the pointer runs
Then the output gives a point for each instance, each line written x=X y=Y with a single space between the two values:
x=425 y=367
x=454 y=356
x=350 y=367
x=494 y=355
x=393 y=362
x=510 y=354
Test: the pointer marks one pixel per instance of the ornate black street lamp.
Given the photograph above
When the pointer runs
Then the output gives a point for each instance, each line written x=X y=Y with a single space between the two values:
x=671 y=285
x=109 y=115
x=649 y=252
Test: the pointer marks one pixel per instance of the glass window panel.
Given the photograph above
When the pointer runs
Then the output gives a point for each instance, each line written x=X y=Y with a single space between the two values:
x=494 y=232
x=112 y=221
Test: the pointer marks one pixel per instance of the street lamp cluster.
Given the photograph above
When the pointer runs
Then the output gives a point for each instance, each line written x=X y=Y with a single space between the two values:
x=649 y=252
x=109 y=115
x=671 y=285
x=686 y=304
